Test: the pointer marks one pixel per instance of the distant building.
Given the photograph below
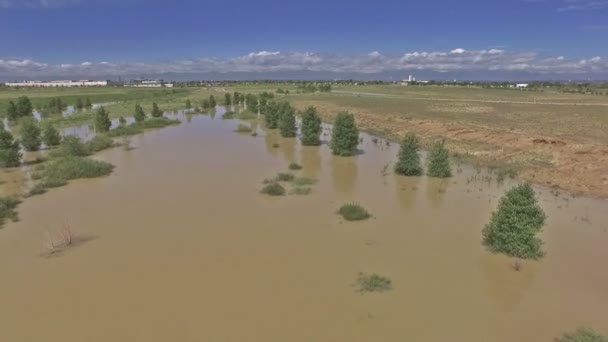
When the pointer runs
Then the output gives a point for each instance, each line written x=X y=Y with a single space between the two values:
x=55 y=84
x=521 y=85
x=144 y=83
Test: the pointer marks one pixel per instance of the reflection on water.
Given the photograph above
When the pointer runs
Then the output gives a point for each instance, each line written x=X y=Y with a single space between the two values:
x=69 y=111
x=184 y=237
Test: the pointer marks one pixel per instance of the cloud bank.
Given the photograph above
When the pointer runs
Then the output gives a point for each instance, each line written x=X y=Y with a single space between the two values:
x=458 y=60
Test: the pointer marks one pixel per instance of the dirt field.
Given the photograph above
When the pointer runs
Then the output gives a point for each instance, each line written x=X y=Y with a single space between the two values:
x=553 y=139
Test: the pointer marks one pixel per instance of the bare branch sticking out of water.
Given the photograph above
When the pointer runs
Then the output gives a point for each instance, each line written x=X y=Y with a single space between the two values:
x=61 y=240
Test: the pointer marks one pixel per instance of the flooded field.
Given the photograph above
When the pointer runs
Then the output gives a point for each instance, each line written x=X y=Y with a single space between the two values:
x=177 y=244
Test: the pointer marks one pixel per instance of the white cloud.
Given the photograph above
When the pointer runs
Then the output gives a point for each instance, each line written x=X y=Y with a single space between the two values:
x=581 y=5
x=37 y=3
x=457 y=60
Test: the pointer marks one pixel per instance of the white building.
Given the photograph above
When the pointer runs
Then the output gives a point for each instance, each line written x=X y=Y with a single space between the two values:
x=62 y=83
x=149 y=84
x=521 y=85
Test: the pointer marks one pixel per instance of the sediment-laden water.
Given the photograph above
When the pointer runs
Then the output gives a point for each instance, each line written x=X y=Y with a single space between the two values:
x=179 y=245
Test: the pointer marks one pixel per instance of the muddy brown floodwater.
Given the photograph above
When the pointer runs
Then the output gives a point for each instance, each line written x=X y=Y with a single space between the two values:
x=178 y=245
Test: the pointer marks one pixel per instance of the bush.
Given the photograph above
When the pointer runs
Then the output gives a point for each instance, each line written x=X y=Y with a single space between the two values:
x=30 y=134
x=272 y=115
x=273 y=189
x=284 y=177
x=353 y=212
x=50 y=135
x=227 y=99
x=72 y=146
x=439 y=161
x=156 y=112
x=122 y=121
x=409 y=159
x=373 y=283
x=10 y=154
x=583 y=335
x=345 y=136
x=98 y=143
x=311 y=127
x=513 y=226
x=287 y=120
x=37 y=189
x=7 y=209
x=24 y=107
x=295 y=166
x=300 y=191
x=188 y=104
x=68 y=168
x=302 y=181
x=212 y=102
x=126 y=130
x=102 y=120
x=157 y=123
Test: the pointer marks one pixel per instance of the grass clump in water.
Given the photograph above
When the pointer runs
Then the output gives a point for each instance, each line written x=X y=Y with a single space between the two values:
x=273 y=189
x=71 y=146
x=583 y=335
x=303 y=181
x=295 y=166
x=157 y=123
x=59 y=171
x=243 y=129
x=126 y=130
x=284 y=177
x=99 y=143
x=373 y=283
x=7 y=209
x=353 y=212
x=300 y=191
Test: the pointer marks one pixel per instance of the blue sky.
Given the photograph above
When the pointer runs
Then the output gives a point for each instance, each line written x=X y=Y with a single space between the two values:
x=538 y=38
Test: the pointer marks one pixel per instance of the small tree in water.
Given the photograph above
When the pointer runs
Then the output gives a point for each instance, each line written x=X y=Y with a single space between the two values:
x=102 y=120
x=30 y=134
x=156 y=112
x=188 y=104
x=345 y=137
x=272 y=115
x=11 y=111
x=513 y=227
x=439 y=161
x=236 y=98
x=140 y=115
x=287 y=120
x=409 y=159
x=311 y=127
x=227 y=99
x=88 y=104
x=212 y=102
x=10 y=156
x=79 y=104
x=50 y=135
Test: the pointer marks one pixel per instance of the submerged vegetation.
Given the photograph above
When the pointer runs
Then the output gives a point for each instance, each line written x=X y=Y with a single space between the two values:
x=63 y=169
x=513 y=226
x=7 y=209
x=353 y=212
x=295 y=166
x=273 y=189
x=345 y=136
x=30 y=134
x=373 y=283
x=50 y=135
x=583 y=335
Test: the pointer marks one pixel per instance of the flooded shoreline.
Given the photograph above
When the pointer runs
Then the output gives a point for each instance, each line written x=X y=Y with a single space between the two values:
x=180 y=245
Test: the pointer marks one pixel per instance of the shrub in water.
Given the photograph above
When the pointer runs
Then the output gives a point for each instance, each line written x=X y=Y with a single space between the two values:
x=68 y=168
x=188 y=104
x=373 y=283
x=243 y=128
x=122 y=121
x=513 y=226
x=7 y=209
x=126 y=130
x=273 y=189
x=300 y=191
x=583 y=335
x=227 y=99
x=10 y=155
x=102 y=120
x=30 y=134
x=98 y=143
x=409 y=159
x=311 y=127
x=212 y=102
x=302 y=181
x=284 y=177
x=157 y=123
x=287 y=120
x=272 y=115
x=156 y=112
x=50 y=135
x=345 y=136
x=353 y=212
x=439 y=161
x=295 y=166
x=73 y=146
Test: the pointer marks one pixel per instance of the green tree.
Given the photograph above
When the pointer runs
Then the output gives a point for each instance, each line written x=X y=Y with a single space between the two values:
x=439 y=161
x=30 y=134
x=206 y=104
x=24 y=107
x=252 y=103
x=188 y=104
x=212 y=102
x=409 y=159
x=88 y=104
x=140 y=115
x=311 y=127
x=345 y=137
x=50 y=135
x=79 y=104
x=287 y=120
x=10 y=155
x=227 y=99
x=272 y=115
x=11 y=111
x=102 y=120
x=236 y=98
x=156 y=112
x=122 y=121
x=513 y=226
